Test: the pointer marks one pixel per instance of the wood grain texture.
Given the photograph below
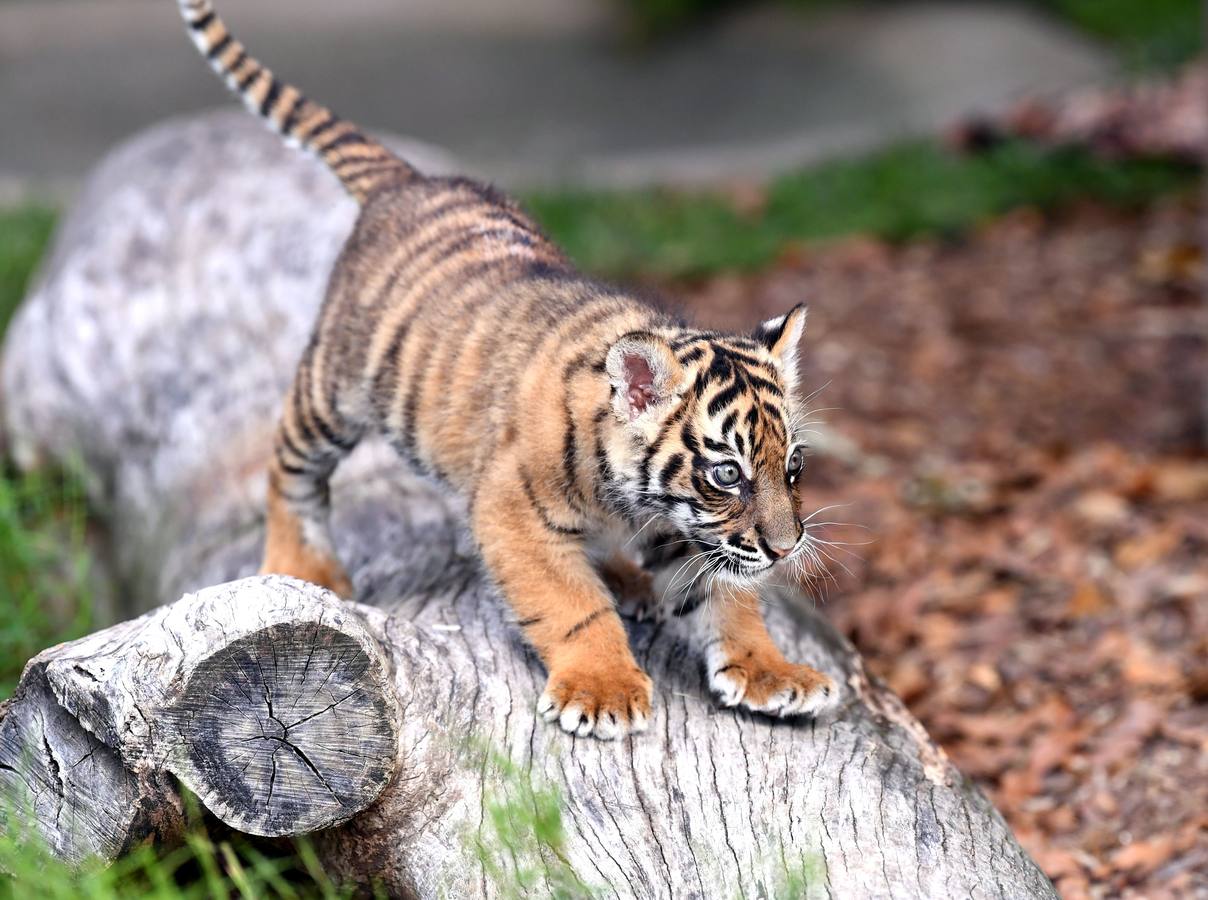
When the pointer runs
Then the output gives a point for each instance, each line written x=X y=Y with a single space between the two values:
x=158 y=347
x=268 y=699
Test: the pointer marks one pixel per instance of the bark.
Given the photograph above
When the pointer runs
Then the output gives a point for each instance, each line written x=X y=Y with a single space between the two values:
x=157 y=349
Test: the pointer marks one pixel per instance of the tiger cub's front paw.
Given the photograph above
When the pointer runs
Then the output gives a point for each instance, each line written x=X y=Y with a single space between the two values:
x=766 y=683
x=590 y=700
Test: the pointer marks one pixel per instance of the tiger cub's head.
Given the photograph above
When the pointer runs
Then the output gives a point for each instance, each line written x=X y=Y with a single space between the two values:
x=711 y=439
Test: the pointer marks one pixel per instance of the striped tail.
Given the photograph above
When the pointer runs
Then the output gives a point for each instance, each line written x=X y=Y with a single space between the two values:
x=362 y=164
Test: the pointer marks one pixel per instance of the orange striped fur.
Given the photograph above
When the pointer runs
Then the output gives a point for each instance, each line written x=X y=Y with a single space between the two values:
x=587 y=431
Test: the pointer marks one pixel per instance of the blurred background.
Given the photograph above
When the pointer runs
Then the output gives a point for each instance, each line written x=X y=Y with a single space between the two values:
x=994 y=211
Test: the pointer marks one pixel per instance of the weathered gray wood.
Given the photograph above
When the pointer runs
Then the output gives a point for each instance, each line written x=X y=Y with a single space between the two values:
x=158 y=346
x=69 y=788
x=267 y=698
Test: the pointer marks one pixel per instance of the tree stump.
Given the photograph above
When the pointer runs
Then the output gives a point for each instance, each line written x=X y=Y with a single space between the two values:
x=157 y=349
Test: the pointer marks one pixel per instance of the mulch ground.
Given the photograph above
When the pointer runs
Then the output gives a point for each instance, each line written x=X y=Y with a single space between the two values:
x=1016 y=424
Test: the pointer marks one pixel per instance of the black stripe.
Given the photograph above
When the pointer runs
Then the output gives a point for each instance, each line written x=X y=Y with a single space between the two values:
x=237 y=61
x=757 y=381
x=291 y=469
x=604 y=473
x=371 y=154
x=570 y=474
x=289 y=444
x=657 y=444
x=471 y=240
x=686 y=340
x=531 y=620
x=541 y=511
x=671 y=468
x=415 y=378
x=243 y=83
x=348 y=137
x=330 y=434
x=705 y=488
x=290 y=119
x=691 y=356
x=690 y=603
x=308 y=433
x=216 y=51
x=744 y=358
x=203 y=23
x=371 y=177
x=570 y=471
x=270 y=97
x=723 y=398
x=728 y=423
x=583 y=623
x=325 y=125
x=689 y=439
x=413 y=254
x=721 y=366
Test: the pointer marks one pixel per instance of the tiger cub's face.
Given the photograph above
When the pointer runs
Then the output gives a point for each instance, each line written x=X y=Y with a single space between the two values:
x=710 y=443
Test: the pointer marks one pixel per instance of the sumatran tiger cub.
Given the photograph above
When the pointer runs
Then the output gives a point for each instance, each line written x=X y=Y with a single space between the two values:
x=570 y=416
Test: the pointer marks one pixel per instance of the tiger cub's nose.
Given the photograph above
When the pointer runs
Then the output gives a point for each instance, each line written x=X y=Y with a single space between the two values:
x=777 y=548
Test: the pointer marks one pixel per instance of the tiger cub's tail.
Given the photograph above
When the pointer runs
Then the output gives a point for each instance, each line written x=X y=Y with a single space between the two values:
x=362 y=164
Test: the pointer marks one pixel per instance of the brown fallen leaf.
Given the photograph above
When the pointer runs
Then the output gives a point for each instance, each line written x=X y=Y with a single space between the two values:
x=1141 y=857
x=1123 y=739
x=1180 y=481
x=1145 y=856
x=1087 y=600
x=1146 y=549
x=1053 y=748
x=1177 y=263
x=1145 y=668
x=1101 y=509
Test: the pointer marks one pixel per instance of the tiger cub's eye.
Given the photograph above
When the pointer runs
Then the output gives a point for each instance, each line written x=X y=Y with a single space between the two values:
x=796 y=459
x=726 y=474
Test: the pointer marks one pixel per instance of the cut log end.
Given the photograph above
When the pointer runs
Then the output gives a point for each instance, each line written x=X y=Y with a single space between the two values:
x=287 y=730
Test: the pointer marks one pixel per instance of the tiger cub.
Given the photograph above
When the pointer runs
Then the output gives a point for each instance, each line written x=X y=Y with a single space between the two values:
x=569 y=415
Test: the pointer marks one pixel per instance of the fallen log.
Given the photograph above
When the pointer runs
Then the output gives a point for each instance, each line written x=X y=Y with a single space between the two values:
x=156 y=349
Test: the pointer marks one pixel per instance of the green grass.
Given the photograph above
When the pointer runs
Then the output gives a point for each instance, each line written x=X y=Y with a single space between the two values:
x=1148 y=34
x=204 y=867
x=909 y=190
x=44 y=560
x=44 y=568
x=23 y=235
x=522 y=844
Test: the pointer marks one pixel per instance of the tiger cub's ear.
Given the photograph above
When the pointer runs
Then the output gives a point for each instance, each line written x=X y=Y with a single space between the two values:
x=645 y=376
x=781 y=336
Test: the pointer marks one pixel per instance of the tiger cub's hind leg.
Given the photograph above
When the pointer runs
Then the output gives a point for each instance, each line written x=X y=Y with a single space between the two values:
x=308 y=446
